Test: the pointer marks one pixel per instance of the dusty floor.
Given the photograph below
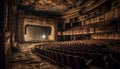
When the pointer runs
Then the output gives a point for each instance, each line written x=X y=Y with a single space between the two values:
x=27 y=60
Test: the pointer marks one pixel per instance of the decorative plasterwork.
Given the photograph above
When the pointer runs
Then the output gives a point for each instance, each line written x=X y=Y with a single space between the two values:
x=51 y=5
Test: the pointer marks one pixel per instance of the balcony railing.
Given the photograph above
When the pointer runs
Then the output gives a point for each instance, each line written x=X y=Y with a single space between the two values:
x=106 y=16
x=94 y=5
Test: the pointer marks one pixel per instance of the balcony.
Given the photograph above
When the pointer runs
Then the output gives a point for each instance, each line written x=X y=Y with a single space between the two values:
x=104 y=17
x=94 y=5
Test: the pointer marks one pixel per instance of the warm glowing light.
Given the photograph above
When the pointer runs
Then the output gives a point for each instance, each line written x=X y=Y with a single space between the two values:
x=25 y=36
x=43 y=36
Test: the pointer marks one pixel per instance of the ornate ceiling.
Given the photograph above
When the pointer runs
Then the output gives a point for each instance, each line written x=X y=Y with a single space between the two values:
x=51 y=5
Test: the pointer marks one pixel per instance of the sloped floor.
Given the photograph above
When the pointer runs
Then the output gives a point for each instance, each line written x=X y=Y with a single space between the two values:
x=25 y=59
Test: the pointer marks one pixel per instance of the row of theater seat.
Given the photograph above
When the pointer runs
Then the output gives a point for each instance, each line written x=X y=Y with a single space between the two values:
x=76 y=56
x=63 y=59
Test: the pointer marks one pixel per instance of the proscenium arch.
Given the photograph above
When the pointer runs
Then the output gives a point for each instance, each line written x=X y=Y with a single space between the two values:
x=39 y=21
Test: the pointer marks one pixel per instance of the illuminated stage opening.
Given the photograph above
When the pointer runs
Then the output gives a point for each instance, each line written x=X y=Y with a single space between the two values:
x=37 y=33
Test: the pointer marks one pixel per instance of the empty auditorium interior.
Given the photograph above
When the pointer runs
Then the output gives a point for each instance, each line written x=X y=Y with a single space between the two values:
x=59 y=34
